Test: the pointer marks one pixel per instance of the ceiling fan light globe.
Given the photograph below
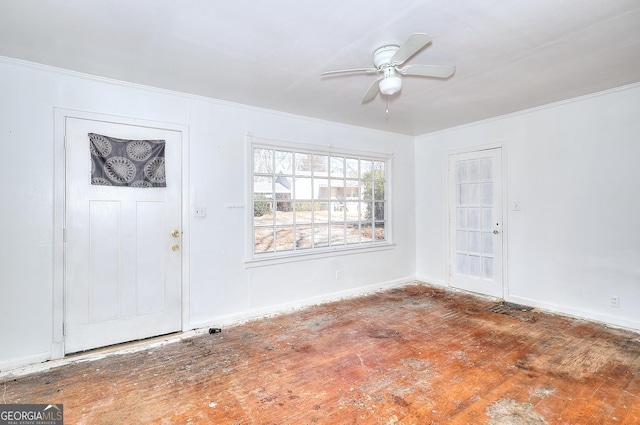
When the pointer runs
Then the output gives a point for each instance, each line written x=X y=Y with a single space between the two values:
x=390 y=85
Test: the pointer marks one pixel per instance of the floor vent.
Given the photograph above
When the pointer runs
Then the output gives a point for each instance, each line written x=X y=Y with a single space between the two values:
x=504 y=307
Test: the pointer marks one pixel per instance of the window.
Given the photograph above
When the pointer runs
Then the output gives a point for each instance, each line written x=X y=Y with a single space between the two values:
x=308 y=200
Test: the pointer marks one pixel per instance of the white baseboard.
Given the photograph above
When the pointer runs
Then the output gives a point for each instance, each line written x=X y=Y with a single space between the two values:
x=432 y=281
x=235 y=318
x=14 y=365
x=604 y=319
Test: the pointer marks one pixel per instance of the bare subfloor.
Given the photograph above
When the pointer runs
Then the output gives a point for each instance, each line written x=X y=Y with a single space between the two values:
x=414 y=355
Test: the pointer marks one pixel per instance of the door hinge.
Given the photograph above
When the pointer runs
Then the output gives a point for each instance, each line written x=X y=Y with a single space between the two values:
x=64 y=235
x=64 y=329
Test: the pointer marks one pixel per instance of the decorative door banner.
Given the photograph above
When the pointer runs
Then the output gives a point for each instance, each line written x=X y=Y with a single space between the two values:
x=132 y=163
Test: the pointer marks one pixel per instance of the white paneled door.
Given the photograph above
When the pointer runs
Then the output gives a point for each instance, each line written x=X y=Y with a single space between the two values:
x=475 y=221
x=123 y=244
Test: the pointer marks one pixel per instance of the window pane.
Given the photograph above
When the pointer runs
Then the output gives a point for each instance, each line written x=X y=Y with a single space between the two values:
x=462 y=194
x=321 y=187
x=487 y=244
x=353 y=233
x=352 y=168
x=303 y=188
x=303 y=163
x=337 y=189
x=362 y=189
x=487 y=170
x=487 y=268
x=262 y=212
x=379 y=232
x=284 y=213
x=365 y=169
x=487 y=194
x=379 y=167
x=378 y=181
x=337 y=166
x=351 y=190
x=378 y=190
x=320 y=235
x=366 y=233
x=474 y=194
x=474 y=218
x=461 y=264
x=379 y=211
x=320 y=212
x=304 y=236
x=461 y=240
x=487 y=219
x=320 y=165
x=475 y=266
x=262 y=187
x=284 y=163
x=262 y=160
x=461 y=218
x=474 y=242
x=352 y=211
x=461 y=171
x=282 y=187
x=368 y=210
x=338 y=214
x=284 y=238
x=304 y=213
x=337 y=234
x=474 y=170
x=263 y=239
x=367 y=188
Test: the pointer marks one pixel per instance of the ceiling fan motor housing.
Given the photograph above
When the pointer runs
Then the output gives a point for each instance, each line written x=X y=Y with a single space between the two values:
x=383 y=55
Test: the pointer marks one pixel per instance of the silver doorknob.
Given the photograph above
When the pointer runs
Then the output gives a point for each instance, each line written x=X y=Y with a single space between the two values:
x=495 y=232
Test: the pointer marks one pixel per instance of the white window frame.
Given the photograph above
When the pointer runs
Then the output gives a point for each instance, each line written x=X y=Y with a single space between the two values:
x=257 y=259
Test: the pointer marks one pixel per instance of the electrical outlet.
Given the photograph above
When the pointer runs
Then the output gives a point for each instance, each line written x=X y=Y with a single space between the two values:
x=614 y=301
x=338 y=274
x=199 y=211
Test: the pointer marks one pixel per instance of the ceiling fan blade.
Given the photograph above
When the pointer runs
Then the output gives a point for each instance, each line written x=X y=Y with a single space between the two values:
x=350 y=71
x=372 y=91
x=438 y=71
x=410 y=47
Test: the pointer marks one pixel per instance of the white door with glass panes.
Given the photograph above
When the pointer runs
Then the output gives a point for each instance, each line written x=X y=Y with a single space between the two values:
x=475 y=221
x=123 y=243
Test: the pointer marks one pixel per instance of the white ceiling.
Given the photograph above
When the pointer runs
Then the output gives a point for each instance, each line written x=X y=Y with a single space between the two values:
x=509 y=55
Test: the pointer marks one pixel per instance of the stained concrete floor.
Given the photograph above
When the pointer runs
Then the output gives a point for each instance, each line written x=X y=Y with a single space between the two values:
x=412 y=355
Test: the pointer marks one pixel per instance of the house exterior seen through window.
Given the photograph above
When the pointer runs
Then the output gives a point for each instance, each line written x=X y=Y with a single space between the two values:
x=310 y=200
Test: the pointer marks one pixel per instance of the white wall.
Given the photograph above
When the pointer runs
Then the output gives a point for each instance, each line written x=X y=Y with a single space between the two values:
x=222 y=288
x=574 y=168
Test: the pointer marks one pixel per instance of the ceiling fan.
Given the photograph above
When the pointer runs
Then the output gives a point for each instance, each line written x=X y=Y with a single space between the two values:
x=387 y=61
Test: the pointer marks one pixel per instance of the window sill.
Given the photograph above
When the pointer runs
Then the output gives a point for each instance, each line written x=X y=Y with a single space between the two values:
x=273 y=259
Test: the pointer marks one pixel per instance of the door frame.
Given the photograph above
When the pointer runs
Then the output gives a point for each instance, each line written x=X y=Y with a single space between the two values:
x=58 y=291
x=503 y=158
